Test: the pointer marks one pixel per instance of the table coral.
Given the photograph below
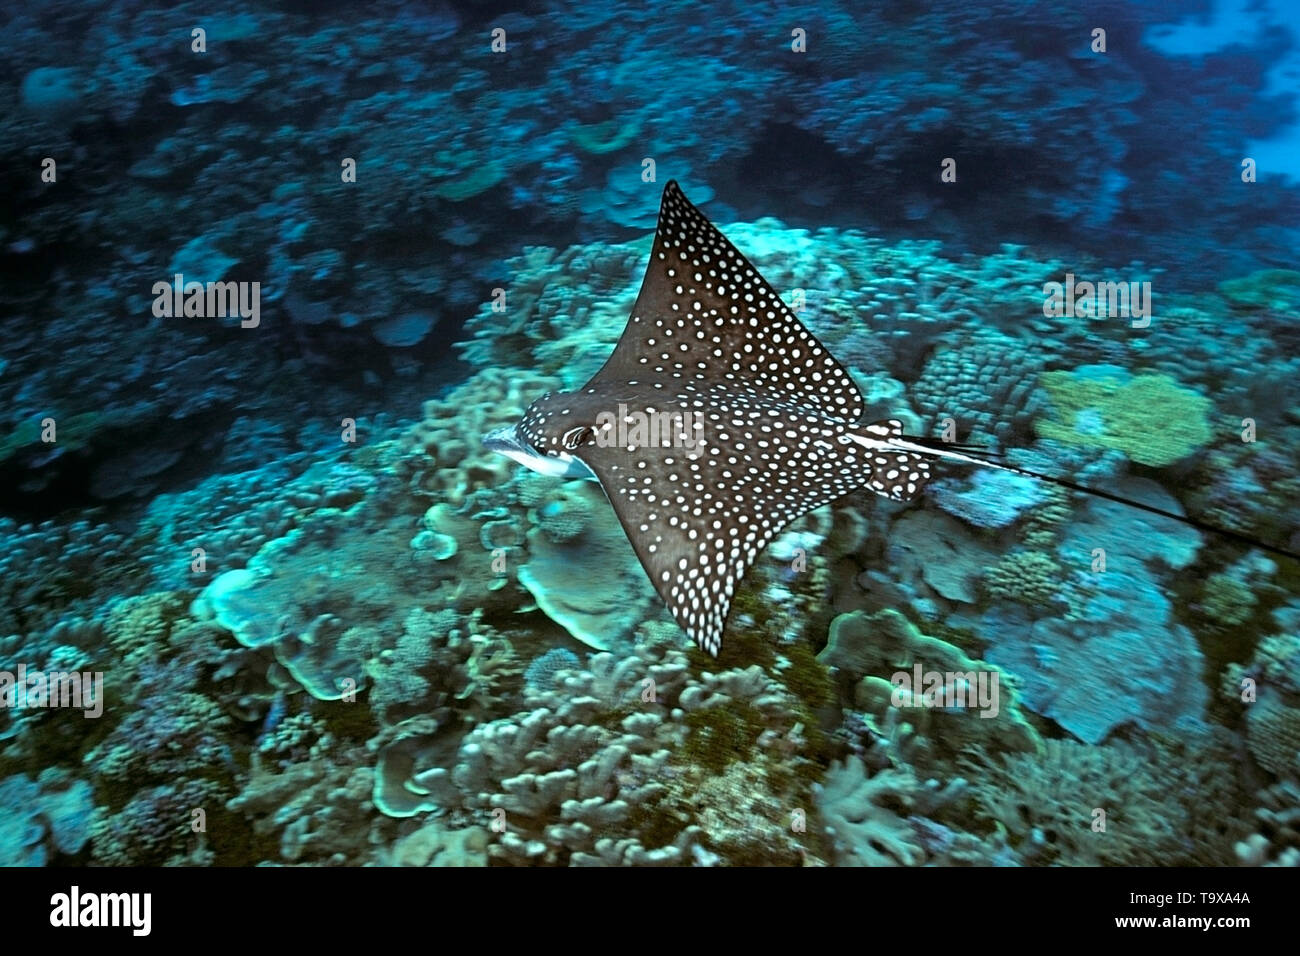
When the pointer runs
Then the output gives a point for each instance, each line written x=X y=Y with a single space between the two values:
x=940 y=551
x=301 y=593
x=48 y=817
x=1066 y=666
x=581 y=570
x=604 y=137
x=989 y=499
x=1124 y=612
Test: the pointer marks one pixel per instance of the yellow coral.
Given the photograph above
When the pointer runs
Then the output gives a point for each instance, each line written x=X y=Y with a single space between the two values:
x=137 y=627
x=1030 y=577
x=1151 y=418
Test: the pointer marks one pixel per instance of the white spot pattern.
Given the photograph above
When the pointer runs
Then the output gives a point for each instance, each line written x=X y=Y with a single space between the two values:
x=731 y=324
x=709 y=337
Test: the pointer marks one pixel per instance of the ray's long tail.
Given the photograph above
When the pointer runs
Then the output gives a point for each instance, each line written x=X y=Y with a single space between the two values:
x=980 y=457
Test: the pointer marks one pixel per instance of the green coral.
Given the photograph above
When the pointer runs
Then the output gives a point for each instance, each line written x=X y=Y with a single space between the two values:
x=1151 y=418
x=1029 y=577
x=470 y=181
x=599 y=138
x=1265 y=289
x=868 y=650
x=1227 y=600
x=1043 y=524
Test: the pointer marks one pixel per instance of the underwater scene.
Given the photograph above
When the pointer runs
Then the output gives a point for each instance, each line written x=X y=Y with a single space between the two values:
x=443 y=433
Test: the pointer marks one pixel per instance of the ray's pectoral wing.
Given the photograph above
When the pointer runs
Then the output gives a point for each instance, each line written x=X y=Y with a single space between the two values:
x=708 y=336
x=697 y=525
x=704 y=315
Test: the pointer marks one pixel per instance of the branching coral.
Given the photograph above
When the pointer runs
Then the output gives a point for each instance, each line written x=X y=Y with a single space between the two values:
x=866 y=817
x=156 y=827
x=1122 y=804
x=630 y=758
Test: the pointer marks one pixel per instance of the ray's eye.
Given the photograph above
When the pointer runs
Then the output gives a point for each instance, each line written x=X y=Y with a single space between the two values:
x=575 y=437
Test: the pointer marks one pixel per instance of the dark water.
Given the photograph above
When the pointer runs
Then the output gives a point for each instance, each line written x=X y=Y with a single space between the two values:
x=255 y=562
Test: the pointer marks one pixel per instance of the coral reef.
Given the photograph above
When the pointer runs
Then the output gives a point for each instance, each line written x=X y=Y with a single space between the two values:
x=558 y=144
x=1089 y=593
x=155 y=827
x=866 y=816
x=985 y=382
x=989 y=499
x=625 y=747
x=581 y=570
x=335 y=630
x=434 y=845
x=412 y=652
x=49 y=818
x=1150 y=418
x=1272 y=289
x=1276 y=839
x=876 y=656
x=1122 y=805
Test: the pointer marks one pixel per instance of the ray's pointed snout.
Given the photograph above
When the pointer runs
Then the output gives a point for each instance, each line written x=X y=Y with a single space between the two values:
x=503 y=440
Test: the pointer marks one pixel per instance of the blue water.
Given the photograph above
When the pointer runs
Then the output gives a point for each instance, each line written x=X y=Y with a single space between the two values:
x=255 y=561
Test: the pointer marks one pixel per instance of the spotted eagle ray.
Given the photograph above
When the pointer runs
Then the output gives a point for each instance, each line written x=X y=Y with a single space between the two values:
x=710 y=342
